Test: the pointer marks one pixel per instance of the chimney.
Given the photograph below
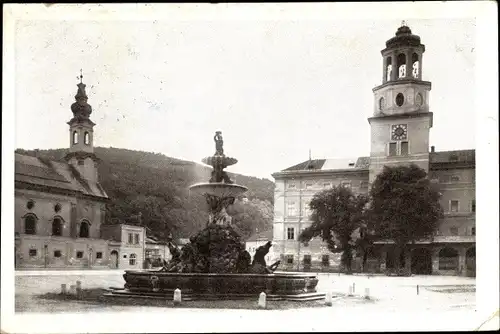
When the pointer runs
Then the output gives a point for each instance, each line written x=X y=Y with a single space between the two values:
x=37 y=153
x=432 y=149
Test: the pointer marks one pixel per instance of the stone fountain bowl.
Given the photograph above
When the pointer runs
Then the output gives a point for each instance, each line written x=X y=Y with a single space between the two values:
x=223 y=286
x=218 y=189
x=221 y=160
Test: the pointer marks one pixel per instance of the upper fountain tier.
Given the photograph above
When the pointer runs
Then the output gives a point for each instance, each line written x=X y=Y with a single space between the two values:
x=219 y=160
x=220 y=184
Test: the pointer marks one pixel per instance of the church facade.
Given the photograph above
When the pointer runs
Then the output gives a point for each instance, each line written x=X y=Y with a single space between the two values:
x=400 y=127
x=60 y=209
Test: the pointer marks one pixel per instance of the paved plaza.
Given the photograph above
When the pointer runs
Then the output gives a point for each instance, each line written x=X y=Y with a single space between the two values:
x=445 y=302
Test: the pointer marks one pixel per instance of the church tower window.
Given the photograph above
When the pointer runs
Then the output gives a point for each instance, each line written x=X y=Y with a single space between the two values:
x=415 y=66
x=86 y=138
x=75 y=137
x=401 y=65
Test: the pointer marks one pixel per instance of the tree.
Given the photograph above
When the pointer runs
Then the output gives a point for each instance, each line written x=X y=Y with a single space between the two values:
x=336 y=214
x=404 y=207
x=249 y=216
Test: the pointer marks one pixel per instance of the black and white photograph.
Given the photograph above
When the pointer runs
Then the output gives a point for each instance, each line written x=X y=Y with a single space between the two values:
x=250 y=167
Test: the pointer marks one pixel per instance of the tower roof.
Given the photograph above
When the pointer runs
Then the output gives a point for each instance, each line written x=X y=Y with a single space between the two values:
x=80 y=108
x=403 y=37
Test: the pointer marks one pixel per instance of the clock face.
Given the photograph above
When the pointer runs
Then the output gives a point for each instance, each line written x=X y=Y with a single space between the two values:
x=399 y=132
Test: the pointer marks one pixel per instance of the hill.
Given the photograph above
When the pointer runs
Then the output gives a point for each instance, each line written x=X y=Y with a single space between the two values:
x=156 y=187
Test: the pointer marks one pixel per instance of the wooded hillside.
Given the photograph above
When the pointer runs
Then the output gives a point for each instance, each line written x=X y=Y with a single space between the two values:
x=157 y=187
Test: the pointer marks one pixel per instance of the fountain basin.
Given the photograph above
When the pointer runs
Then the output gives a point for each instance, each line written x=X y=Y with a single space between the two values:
x=293 y=286
x=218 y=189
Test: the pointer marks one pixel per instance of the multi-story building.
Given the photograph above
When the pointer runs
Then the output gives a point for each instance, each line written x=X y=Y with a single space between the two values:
x=400 y=128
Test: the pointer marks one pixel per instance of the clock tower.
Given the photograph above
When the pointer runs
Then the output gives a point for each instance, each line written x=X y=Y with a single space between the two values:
x=401 y=119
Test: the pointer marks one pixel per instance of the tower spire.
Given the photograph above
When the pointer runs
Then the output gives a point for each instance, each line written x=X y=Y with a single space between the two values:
x=81 y=76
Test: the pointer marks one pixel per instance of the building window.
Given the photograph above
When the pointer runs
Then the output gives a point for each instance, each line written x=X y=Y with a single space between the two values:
x=290 y=233
x=404 y=148
x=130 y=238
x=57 y=253
x=84 y=229
x=454 y=230
x=363 y=185
x=325 y=260
x=393 y=149
x=30 y=205
x=473 y=231
x=136 y=238
x=291 y=209
x=81 y=162
x=132 y=260
x=57 y=227
x=75 y=137
x=309 y=185
x=291 y=186
x=86 y=138
x=307 y=260
x=57 y=207
x=79 y=255
x=289 y=259
x=98 y=255
x=473 y=206
x=32 y=252
x=327 y=185
x=453 y=206
x=307 y=209
x=30 y=225
x=455 y=178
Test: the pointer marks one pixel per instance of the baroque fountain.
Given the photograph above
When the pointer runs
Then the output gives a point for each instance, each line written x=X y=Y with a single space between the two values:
x=215 y=264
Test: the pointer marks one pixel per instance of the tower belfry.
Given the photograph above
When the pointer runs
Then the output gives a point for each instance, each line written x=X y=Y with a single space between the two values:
x=81 y=131
x=401 y=119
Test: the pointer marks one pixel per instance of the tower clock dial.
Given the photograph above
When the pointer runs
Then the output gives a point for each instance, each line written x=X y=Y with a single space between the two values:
x=399 y=132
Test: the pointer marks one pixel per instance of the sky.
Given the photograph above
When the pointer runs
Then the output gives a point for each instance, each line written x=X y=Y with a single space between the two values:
x=275 y=88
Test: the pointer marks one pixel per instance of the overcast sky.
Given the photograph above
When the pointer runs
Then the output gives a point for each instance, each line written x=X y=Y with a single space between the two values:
x=274 y=88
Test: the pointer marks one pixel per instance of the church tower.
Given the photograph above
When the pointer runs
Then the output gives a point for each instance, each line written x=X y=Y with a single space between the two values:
x=401 y=120
x=81 y=132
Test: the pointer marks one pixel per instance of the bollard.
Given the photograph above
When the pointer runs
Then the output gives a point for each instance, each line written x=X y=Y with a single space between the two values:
x=72 y=289
x=79 y=289
x=349 y=293
x=177 y=297
x=328 y=301
x=367 y=293
x=417 y=290
x=262 y=300
x=353 y=287
x=63 y=289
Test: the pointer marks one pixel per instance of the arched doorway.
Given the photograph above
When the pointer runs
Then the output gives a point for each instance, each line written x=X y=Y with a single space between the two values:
x=114 y=259
x=448 y=259
x=391 y=259
x=421 y=261
x=470 y=261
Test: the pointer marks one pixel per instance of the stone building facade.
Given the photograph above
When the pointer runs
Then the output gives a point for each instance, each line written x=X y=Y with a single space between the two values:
x=400 y=128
